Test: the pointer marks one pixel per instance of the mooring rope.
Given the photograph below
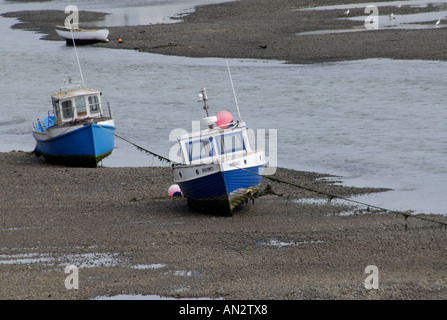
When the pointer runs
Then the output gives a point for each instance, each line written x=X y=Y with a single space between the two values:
x=406 y=215
x=159 y=157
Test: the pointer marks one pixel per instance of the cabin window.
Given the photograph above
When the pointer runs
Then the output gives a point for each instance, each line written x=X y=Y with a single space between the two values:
x=81 y=107
x=93 y=102
x=200 y=149
x=56 y=109
x=229 y=143
x=67 y=109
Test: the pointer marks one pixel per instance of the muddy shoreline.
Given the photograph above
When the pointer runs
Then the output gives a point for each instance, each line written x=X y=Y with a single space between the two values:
x=262 y=29
x=128 y=237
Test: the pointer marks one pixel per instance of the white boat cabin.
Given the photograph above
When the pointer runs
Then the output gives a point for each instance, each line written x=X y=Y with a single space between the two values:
x=76 y=105
x=215 y=145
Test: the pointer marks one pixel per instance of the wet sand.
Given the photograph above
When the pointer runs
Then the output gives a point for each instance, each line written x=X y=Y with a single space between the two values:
x=128 y=237
x=263 y=29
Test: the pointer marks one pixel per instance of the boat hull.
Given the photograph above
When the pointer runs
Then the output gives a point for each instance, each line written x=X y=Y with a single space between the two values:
x=84 y=145
x=217 y=188
x=82 y=36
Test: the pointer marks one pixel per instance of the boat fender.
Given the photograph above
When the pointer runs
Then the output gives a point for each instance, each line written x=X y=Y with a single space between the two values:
x=174 y=190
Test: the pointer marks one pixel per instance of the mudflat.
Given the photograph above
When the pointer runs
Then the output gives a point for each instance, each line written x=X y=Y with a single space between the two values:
x=265 y=29
x=126 y=236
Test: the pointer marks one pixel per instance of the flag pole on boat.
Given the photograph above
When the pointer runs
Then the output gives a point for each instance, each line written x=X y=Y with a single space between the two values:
x=232 y=86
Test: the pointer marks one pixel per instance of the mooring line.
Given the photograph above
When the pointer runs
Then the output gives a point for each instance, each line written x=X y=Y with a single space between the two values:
x=161 y=158
x=332 y=196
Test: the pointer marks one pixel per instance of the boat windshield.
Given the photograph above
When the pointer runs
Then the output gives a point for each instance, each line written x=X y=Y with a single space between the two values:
x=67 y=109
x=78 y=107
x=204 y=147
x=93 y=102
x=199 y=149
x=81 y=108
x=229 y=143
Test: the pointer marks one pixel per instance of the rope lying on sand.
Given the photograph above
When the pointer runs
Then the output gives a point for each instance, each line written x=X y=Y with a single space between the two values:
x=331 y=196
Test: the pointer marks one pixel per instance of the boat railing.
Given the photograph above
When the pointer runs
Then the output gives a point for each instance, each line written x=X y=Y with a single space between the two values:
x=46 y=123
x=103 y=108
x=106 y=112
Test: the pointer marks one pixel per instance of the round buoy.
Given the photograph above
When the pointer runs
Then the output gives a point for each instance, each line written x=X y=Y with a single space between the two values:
x=224 y=119
x=174 y=190
x=120 y=40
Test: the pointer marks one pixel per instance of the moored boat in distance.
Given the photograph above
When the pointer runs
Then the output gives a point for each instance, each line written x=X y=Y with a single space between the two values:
x=82 y=36
x=218 y=169
x=79 y=130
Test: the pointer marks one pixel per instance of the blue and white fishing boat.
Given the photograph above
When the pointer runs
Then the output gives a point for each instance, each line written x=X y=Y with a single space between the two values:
x=218 y=169
x=79 y=130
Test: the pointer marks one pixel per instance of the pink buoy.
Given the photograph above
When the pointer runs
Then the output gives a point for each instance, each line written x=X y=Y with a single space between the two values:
x=224 y=119
x=174 y=190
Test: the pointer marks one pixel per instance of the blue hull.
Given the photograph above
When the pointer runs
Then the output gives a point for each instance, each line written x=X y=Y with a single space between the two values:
x=85 y=146
x=223 y=191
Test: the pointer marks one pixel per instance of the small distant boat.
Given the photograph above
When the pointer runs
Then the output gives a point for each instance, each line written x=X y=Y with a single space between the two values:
x=79 y=130
x=218 y=170
x=82 y=36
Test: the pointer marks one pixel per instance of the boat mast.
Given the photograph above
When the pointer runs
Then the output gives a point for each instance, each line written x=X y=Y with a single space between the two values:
x=76 y=51
x=209 y=120
x=203 y=97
